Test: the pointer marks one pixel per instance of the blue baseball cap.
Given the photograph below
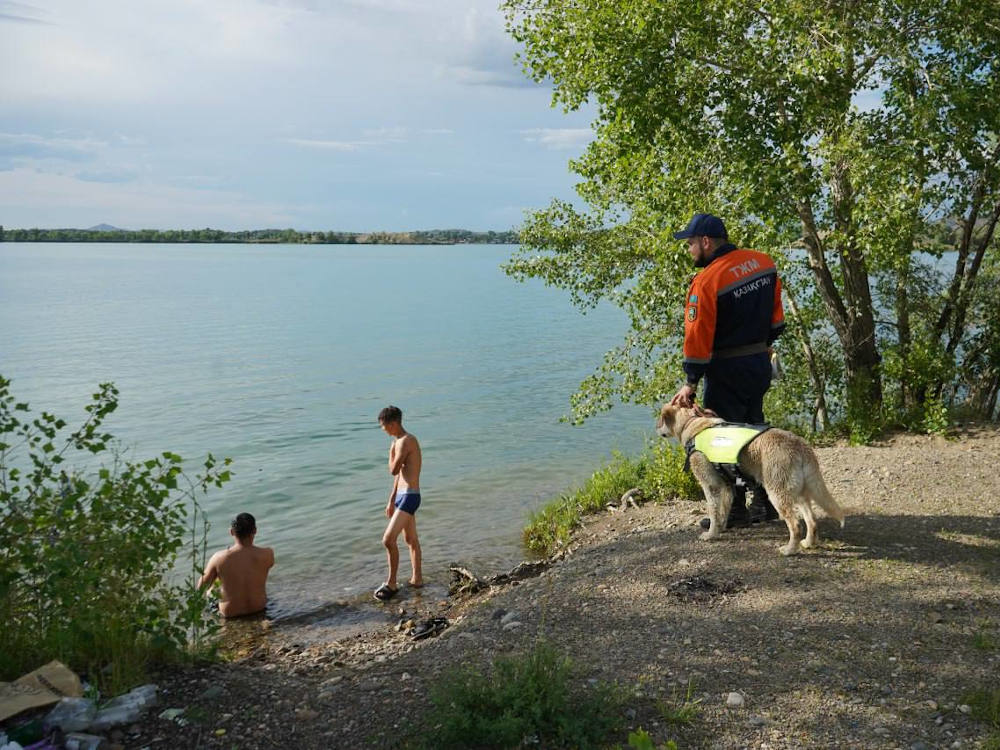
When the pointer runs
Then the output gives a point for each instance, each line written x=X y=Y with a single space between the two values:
x=703 y=225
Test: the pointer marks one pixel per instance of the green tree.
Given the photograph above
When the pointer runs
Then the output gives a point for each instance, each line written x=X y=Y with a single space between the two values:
x=844 y=129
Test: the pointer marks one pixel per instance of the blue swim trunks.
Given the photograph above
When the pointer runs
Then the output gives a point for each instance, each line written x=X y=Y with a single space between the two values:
x=408 y=501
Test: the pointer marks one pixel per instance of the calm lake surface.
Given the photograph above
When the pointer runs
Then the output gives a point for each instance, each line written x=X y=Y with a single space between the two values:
x=280 y=356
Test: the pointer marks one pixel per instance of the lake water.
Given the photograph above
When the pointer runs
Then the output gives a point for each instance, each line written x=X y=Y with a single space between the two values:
x=280 y=356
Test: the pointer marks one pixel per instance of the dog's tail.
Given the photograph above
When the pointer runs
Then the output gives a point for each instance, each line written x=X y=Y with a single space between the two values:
x=819 y=494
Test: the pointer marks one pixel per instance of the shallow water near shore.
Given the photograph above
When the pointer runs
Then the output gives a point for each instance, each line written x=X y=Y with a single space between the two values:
x=281 y=356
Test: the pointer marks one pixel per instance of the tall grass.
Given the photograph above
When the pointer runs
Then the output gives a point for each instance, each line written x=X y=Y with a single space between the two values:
x=658 y=472
x=535 y=699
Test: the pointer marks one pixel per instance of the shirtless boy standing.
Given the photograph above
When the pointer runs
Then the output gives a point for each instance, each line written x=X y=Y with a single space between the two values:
x=242 y=570
x=404 y=465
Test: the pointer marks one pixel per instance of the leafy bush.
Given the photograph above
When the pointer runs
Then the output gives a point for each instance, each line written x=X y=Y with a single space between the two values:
x=85 y=554
x=640 y=739
x=531 y=699
x=658 y=472
x=666 y=478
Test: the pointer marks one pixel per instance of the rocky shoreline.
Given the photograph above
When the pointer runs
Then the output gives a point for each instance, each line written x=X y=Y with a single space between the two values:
x=873 y=640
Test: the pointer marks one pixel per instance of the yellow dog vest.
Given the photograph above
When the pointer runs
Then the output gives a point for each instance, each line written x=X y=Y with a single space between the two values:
x=722 y=444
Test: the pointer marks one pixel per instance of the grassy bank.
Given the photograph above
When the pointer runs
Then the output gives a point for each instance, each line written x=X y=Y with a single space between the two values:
x=658 y=473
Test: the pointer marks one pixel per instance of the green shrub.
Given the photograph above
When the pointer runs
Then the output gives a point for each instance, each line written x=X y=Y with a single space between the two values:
x=532 y=699
x=680 y=710
x=985 y=704
x=666 y=478
x=640 y=739
x=658 y=472
x=85 y=554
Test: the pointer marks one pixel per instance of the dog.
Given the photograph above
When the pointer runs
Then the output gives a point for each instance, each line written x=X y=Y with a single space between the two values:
x=781 y=461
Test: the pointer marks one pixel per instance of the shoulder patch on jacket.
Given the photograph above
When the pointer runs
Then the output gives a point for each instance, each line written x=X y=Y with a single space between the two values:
x=692 y=312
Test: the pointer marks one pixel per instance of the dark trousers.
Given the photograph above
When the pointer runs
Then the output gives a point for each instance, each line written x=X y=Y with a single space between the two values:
x=734 y=389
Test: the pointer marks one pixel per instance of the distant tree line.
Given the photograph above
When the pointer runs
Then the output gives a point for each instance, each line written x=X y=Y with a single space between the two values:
x=289 y=236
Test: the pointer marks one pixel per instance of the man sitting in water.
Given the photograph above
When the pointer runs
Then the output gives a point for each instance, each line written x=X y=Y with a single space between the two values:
x=404 y=465
x=242 y=570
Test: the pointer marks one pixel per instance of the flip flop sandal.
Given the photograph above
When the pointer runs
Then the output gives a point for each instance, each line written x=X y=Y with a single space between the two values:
x=384 y=592
x=428 y=628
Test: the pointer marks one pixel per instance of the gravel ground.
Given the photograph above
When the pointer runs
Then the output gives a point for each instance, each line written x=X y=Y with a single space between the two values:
x=868 y=641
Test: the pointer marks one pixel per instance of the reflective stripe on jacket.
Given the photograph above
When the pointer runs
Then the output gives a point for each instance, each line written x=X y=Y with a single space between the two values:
x=735 y=302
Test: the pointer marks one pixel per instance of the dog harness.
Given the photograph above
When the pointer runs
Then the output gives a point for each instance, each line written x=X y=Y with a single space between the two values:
x=722 y=444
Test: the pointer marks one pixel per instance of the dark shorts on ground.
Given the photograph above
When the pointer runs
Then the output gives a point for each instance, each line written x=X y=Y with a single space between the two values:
x=408 y=501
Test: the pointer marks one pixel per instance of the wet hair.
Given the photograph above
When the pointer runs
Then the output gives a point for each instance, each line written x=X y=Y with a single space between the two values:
x=244 y=525
x=390 y=414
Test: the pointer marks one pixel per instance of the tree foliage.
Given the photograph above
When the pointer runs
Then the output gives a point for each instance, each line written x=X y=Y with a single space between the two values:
x=86 y=555
x=856 y=141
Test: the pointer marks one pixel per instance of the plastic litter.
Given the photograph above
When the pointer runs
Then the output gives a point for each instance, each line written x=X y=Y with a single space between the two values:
x=124 y=709
x=71 y=715
x=80 y=741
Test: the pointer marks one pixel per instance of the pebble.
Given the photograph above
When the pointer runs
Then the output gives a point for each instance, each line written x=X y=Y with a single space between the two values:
x=758 y=721
x=509 y=617
x=920 y=745
x=734 y=700
x=211 y=693
x=965 y=708
x=305 y=714
x=512 y=625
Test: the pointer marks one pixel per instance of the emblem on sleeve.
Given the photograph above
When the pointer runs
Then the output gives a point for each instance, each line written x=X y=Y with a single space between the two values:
x=692 y=313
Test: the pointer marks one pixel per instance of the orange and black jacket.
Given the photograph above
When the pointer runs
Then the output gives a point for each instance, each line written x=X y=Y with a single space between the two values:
x=733 y=309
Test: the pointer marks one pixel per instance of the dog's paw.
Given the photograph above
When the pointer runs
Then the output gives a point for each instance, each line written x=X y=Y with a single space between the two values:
x=707 y=536
x=808 y=543
x=789 y=549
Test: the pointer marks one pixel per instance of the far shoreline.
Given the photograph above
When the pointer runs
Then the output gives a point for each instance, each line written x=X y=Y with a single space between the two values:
x=105 y=233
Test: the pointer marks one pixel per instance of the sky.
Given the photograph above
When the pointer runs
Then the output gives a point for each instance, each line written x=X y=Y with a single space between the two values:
x=346 y=115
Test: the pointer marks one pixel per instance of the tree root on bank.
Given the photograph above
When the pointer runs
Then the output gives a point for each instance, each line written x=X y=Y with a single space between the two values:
x=631 y=498
x=465 y=583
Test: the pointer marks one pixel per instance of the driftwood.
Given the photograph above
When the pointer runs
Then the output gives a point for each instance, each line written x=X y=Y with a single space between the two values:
x=633 y=497
x=464 y=582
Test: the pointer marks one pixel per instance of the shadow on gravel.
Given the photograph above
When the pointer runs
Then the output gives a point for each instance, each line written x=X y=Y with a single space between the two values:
x=969 y=542
x=842 y=646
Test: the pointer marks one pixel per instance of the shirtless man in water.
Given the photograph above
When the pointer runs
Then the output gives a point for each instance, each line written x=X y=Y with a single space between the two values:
x=242 y=570
x=404 y=465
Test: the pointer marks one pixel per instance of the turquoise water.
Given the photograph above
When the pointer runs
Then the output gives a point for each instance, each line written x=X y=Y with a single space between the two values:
x=281 y=356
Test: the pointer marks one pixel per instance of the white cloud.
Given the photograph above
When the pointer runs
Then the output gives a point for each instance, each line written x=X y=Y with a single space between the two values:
x=559 y=138
x=31 y=194
x=328 y=145
x=13 y=142
x=387 y=135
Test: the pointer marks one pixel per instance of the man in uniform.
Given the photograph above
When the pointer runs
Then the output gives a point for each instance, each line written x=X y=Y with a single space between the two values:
x=732 y=316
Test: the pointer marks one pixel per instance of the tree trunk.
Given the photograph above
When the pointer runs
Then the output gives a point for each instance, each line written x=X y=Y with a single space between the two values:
x=854 y=321
x=821 y=413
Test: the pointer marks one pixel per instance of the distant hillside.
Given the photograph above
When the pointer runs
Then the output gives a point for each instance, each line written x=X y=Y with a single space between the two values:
x=108 y=233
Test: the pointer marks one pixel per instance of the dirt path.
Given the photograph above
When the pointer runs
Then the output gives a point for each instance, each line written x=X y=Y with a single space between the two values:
x=869 y=641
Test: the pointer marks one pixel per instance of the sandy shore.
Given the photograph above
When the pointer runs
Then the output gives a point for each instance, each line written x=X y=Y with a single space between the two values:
x=869 y=641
